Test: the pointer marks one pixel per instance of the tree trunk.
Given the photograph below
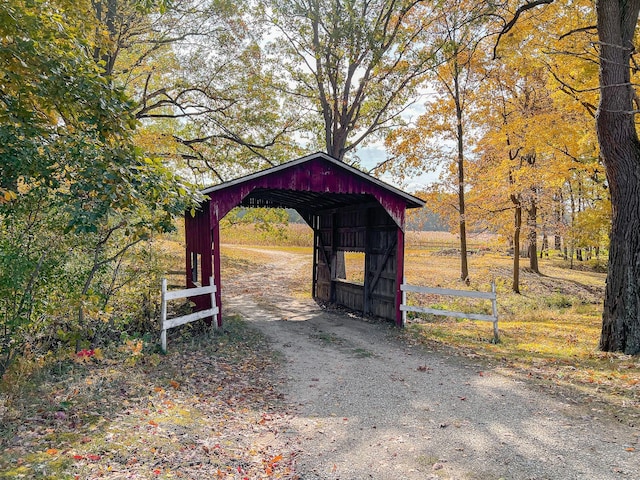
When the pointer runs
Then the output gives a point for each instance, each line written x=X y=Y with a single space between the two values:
x=620 y=150
x=516 y=243
x=464 y=267
x=532 y=214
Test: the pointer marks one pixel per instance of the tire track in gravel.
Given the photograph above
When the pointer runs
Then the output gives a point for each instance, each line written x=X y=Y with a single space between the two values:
x=368 y=405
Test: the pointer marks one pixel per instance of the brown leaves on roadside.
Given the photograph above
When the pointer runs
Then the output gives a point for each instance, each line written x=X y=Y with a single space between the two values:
x=209 y=413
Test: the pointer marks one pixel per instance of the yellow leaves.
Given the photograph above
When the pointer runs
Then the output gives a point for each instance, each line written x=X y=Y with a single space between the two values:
x=133 y=347
x=134 y=350
x=7 y=196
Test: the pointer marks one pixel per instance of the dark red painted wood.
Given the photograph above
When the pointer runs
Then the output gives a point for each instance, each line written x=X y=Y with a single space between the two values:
x=316 y=173
x=198 y=240
x=216 y=269
x=399 y=275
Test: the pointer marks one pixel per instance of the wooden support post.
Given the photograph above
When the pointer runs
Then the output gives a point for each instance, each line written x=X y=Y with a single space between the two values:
x=399 y=275
x=366 y=301
x=163 y=315
x=494 y=308
x=314 y=274
x=404 y=302
x=215 y=234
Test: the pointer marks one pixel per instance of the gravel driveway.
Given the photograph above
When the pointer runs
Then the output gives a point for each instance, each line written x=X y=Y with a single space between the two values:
x=366 y=404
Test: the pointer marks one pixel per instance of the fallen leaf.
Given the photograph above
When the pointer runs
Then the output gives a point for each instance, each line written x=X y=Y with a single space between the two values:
x=52 y=451
x=174 y=384
x=93 y=457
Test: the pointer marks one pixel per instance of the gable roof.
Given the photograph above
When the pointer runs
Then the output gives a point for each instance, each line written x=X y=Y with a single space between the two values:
x=411 y=201
x=310 y=184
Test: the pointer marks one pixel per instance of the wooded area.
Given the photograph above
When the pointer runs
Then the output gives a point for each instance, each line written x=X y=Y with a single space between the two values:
x=114 y=112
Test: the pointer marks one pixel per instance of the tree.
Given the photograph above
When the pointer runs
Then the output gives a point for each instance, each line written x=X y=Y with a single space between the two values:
x=620 y=150
x=458 y=31
x=196 y=72
x=356 y=63
x=620 y=153
x=78 y=193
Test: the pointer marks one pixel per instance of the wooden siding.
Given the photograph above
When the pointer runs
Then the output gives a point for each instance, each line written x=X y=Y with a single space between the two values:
x=350 y=295
x=198 y=240
x=369 y=229
x=316 y=175
x=348 y=211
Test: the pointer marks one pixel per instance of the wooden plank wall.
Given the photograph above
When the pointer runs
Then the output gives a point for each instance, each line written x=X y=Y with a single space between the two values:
x=198 y=240
x=323 y=234
x=369 y=229
x=381 y=266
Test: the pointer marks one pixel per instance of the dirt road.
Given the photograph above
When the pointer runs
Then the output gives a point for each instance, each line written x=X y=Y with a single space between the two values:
x=368 y=405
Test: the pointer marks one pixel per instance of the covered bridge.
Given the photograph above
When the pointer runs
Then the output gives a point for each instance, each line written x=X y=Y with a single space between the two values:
x=348 y=211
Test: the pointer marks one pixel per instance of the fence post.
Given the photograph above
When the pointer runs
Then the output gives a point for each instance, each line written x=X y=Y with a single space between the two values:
x=213 y=303
x=404 y=302
x=494 y=307
x=163 y=316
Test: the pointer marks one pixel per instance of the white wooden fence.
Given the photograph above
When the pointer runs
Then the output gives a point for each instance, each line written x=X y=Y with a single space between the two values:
x=186 y=293
x=454 y=293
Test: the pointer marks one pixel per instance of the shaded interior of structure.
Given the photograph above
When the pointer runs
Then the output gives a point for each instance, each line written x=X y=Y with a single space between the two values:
x=344 y=223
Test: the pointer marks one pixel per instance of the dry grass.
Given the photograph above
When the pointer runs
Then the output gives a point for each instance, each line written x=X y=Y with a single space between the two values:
x=549 y=332
x=295 y=234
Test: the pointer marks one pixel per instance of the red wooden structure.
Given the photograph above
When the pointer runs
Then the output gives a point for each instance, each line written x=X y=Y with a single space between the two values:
x=347 y=209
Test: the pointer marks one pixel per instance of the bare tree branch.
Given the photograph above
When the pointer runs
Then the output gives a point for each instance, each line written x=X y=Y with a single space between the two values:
x=511 y=23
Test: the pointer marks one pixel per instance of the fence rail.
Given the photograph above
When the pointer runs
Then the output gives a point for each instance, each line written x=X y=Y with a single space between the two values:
x=167 y=295
x=447 y=313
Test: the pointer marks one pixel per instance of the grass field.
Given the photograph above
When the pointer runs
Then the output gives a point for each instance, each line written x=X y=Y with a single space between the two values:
x=548 y=333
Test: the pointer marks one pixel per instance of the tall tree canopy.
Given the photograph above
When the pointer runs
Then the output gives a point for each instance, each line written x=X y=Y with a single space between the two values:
x=440 y=136
x=356 y=63
x=196 y=72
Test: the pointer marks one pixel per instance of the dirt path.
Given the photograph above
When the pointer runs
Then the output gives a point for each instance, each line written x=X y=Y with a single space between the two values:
x=367 y=405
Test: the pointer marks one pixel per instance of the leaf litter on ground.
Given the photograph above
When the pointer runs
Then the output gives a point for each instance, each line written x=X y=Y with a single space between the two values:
x=210 y=408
